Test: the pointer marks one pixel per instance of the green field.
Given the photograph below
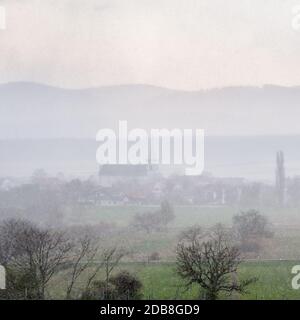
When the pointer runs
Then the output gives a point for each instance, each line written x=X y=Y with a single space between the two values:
x=185 y=215
x=122 y=216
x=160 y=281
x=272 y=267
x=274 y=282
x=284 y=245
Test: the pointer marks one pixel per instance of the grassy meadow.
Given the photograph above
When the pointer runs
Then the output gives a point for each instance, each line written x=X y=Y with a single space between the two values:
x=160 y=281
x=185 y=215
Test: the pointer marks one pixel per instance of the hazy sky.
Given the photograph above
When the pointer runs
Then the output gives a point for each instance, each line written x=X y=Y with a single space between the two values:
x=183 y=44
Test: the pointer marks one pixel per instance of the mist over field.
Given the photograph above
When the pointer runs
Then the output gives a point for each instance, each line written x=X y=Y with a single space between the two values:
x=55 y=129
x=76 y=228
x=49 y=176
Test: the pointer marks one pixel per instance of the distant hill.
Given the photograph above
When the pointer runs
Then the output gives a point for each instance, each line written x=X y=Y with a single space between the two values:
x=249 y=125
x=30 y=110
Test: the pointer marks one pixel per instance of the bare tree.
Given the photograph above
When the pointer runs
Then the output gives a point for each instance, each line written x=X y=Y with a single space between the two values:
x=92 y=276
x=111 y=258
x=33 y=255
x=211 y=263
x=45 y=252
x=155 y=221
x=192 y=234
x=82 y=258
x=8 y=230
x=167 y=214
x=148 y=222
x=38 y=252
x=250 y=227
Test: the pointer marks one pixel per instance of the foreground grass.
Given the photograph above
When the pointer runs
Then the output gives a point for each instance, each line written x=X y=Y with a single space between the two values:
x=274 y=282
x=160 y=281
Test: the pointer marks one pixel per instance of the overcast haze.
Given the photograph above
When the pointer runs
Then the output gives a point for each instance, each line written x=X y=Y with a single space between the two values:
x=186 y=45
x=156 y=64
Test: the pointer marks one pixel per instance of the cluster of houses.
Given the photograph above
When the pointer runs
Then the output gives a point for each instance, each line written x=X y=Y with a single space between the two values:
x=133 y=185
x=144 y=185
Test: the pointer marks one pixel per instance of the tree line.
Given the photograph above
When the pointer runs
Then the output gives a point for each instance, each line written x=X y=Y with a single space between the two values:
x=207 y=257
